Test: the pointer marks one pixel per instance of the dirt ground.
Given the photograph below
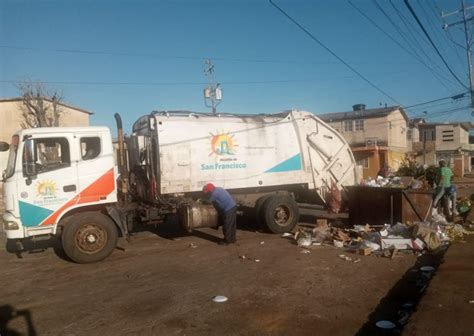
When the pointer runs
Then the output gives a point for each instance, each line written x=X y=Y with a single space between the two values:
x=160 y=285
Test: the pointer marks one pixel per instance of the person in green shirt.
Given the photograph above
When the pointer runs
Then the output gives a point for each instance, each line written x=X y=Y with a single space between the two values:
x=444 y=186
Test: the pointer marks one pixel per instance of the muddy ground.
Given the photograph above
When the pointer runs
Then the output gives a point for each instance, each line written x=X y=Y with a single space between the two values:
x=159 y=285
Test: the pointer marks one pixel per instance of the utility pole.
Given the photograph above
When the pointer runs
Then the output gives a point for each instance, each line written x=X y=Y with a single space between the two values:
x=213 y=92
x=468 y=39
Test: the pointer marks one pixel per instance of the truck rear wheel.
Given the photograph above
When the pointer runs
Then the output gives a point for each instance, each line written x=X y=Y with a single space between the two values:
x=280 y=213
x=89 y=237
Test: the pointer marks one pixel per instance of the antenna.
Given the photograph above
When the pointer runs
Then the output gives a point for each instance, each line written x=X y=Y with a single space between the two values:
x=213 y=92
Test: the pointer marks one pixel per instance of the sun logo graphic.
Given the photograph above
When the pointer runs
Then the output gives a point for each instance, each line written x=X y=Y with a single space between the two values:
x=223 y=144
x=46 y=188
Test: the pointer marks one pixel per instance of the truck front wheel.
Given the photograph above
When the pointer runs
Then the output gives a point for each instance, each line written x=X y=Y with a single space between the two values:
x=89 y=237
x=280 y=213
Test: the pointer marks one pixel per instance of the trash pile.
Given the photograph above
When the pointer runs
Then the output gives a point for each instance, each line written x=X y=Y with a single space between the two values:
x=393 y=182
x=384 y=240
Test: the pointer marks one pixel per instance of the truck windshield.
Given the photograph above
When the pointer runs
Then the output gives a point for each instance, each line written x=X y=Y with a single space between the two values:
x=10 y=170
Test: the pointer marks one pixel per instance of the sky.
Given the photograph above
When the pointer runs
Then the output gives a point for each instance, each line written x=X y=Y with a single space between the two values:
x=134 y=57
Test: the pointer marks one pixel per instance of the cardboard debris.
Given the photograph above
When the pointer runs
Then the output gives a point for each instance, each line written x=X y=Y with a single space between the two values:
x=338 y=234
x=322 y=224
x=365 y=251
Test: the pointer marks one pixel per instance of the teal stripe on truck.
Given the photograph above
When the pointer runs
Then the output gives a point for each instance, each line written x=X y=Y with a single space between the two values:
x=293 y=163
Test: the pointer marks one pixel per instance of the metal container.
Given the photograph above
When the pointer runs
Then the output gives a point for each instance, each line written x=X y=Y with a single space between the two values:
x=378 y=206
x=198 y=216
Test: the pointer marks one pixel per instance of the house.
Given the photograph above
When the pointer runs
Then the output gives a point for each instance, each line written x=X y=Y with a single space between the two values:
x=449 y=141
x=12 y=119
x=377 y=136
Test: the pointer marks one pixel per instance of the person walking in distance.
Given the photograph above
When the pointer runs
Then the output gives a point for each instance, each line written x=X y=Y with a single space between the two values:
x=227 y=210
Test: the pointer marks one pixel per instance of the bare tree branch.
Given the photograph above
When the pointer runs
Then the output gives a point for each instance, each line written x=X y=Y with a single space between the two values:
x=40 y=105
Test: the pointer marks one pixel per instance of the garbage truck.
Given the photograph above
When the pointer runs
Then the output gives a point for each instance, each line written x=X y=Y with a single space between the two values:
x=79 y=185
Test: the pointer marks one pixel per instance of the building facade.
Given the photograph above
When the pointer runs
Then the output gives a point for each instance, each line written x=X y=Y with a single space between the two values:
x=448 y=141
x=378 y=137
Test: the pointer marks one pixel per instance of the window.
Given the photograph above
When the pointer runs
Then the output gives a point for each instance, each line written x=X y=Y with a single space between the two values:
x=359 y=125
x=409 y=134
x=428 y=135
x=90 y=148
x=448 y=136
x=48 y=154
x=347 y=125
x=363 y=162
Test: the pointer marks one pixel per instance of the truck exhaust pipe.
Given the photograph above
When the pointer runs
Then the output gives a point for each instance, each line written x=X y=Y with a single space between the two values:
x=121 y=158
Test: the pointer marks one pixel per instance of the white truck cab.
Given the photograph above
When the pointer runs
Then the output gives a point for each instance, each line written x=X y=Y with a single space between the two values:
x=51 y=172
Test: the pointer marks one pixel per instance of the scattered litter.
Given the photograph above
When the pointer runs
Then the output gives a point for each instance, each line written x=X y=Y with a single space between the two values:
x=356 y=261
x=219 y=298
x=305 y=251
x=403 y=317
x=398 y=243
x=428 y=269
x=192 y=245
x=316 y=244
x=365 y=251
x=384 y=324
x=346 y=258
x=371 y=245
x=471 y=301
x=262 y=242
x=338 y=243
x=257 y=260
x=304 y=241
x=286 y=234
x=243 y=257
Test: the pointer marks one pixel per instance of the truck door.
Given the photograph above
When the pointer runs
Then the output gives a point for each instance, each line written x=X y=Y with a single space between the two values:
x=49 y=178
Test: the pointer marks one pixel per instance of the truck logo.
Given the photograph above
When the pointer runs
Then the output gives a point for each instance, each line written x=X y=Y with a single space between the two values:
x=223 y=144
x=46 y=189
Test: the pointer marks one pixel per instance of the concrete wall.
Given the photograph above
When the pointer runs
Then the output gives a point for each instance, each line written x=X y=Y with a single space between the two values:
x=397 y=132
x=460 y=137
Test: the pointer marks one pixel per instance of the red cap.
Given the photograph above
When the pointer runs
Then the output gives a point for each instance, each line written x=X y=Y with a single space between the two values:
x=208 y=188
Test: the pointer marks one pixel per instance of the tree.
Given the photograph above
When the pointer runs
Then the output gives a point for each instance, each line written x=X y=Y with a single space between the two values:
x=40 y=105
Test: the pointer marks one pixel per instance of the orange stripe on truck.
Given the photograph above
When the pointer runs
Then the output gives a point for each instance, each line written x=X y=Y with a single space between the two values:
x=102 y=187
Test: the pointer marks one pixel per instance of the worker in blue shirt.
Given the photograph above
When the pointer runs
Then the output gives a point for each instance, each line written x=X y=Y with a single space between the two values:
x=227 y=210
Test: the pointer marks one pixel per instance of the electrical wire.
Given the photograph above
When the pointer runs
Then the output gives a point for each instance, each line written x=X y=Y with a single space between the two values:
x=439 y=99
x=432 y=43
x=414 y=55
x=153 y=55
x=333 y=53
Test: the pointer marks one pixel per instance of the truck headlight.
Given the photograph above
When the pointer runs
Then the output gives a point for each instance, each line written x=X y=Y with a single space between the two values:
x=10 y=225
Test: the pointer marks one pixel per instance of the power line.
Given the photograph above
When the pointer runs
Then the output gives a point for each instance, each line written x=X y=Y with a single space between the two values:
x=414 y=55
x=447 y=36
x=154 y=55
x=432 y=43
x=454 y=97
x=415 y=44
x=333 y=53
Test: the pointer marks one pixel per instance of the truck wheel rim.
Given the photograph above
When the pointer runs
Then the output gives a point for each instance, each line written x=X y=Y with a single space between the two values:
x=282 y=215
x=91 y=238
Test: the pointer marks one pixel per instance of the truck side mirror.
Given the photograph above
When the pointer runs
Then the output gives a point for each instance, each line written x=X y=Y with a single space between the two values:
x=4 y=146
x=29 y=160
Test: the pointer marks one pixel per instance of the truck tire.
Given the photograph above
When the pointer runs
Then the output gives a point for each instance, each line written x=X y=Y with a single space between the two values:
x=259 y=220
x=89 y=237
x=280 y=213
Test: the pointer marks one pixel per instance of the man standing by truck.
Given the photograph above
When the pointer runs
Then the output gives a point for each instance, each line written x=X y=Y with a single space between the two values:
x=227 y=210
